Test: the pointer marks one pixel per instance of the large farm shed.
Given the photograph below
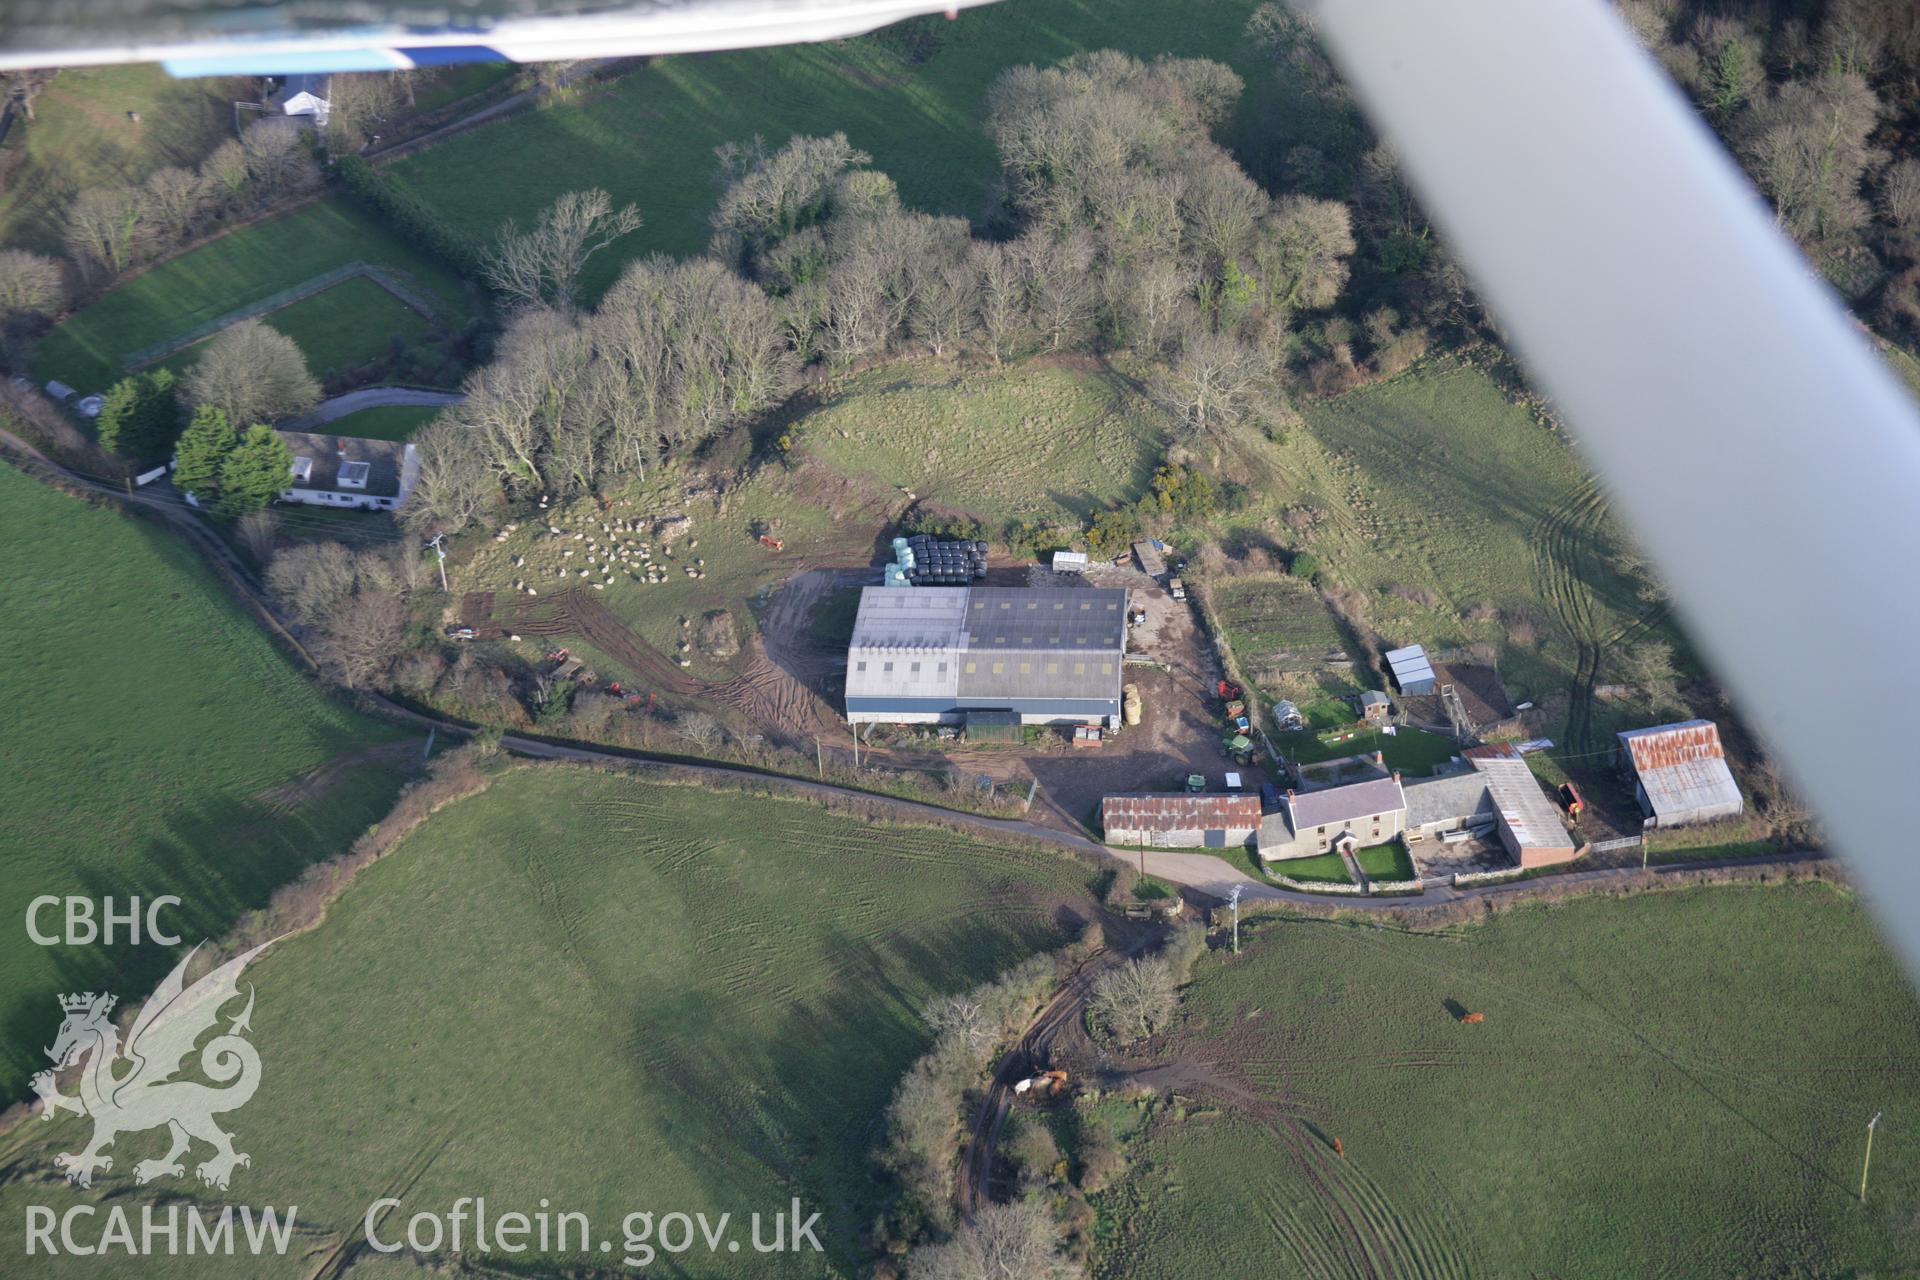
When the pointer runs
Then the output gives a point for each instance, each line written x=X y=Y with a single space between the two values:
x=1680 y=773
x=931 y=655
x=1313 y=822
x=1211 y=821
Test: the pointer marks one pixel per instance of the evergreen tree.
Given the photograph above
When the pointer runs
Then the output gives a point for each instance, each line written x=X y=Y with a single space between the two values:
x=255 y=472
x=202 y=450
x=140 y=417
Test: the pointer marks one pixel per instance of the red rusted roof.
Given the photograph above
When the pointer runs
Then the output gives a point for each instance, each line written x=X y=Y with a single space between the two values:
x=1666 y=745
x=1177 y=812
x=1492 y=751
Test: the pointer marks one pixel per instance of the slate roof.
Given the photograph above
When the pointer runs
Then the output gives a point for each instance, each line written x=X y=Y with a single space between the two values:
x=1181 y=812
x=1061 y=619
x=1682 y=767
x=1343 y=804
x=1453 y=796
x=329 y=453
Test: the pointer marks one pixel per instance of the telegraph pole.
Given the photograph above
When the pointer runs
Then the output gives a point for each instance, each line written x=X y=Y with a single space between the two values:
x=1233 y=900
x=1867 y=1163
x=439 y=549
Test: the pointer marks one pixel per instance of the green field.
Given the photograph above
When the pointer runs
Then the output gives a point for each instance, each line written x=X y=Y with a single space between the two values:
x=148 y=724
x=1043 y=439
x=1436 y=480
x=235 y=271
x=81 y=137
x=387 y=422
x=649 y=136
x=618 y=996
x=1675 y=1084
x=340 y=329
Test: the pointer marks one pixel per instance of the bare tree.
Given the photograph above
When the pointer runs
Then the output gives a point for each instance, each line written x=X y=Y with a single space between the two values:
x=30 y=284
x=456 y=486
x=1003 y=297
x=1806 y=147
x=1017 y=1241
x=541 y=266
x=1135 y=1000
x=1648 y=667
x=1302 y=255
x=1900 y=196
x=258 y=530
x=1216 y=381
x=363 y=635
x=106 y=229
x=175 y=199
x=770 y=195
x=277 y=159
x=312 y=580
x=224 y=172
x=358 y=104
x=252 y=374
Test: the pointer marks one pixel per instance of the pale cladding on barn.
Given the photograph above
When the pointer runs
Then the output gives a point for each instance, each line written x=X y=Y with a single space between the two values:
x=925 y=655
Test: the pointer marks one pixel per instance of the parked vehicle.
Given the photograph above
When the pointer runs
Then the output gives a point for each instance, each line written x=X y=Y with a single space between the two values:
x=460 y=631
x=1178 y=588
x=1571 y=800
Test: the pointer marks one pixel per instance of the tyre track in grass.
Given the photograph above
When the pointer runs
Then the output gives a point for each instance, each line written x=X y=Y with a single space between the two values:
x=1563 y=552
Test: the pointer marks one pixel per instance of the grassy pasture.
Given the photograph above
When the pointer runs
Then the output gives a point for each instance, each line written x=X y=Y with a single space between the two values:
x=649 y=135
x=1672 y=1084
x=1043 y=439
x=618 y=996
x=81 y=137
x=385 y=422
x=338 y=330
x=148 y=723
x=244 y=267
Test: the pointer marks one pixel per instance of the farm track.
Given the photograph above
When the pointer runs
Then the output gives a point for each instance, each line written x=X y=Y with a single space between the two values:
x=1562 y=553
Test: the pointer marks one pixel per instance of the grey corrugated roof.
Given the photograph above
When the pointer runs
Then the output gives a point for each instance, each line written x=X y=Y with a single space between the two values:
x=1344 y=804
x=1458 y=795
x=1523 y=807
x=909 y=617
x=1061 y=619
x=383 y=459
x=1039 y=673
x=1372 y=697
x=1036 y=644
x=1409 y=665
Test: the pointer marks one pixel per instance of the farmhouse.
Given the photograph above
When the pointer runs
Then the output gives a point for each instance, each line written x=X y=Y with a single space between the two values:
x=1680 y=773
x=1313 y=822
x=1214 y=821
x=931 y=655
x=347 y=471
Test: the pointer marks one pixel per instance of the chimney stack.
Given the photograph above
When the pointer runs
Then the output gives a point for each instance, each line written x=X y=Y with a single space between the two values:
x=1380 y=758
x=1396 y=775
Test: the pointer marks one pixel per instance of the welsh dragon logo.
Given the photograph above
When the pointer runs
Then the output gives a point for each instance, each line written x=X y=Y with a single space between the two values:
x=131 y=1089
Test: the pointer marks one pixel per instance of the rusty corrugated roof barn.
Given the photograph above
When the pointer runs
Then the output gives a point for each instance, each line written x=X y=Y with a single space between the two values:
x=1680 y=773
x=1177 y=812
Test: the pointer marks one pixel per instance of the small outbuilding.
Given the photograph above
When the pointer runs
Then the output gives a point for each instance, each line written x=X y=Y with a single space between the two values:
x=1149 y=559
x=1069 y=562
x=1181 y=821
x=1680 y=773
x=1412 y=673
x=1375 y=707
